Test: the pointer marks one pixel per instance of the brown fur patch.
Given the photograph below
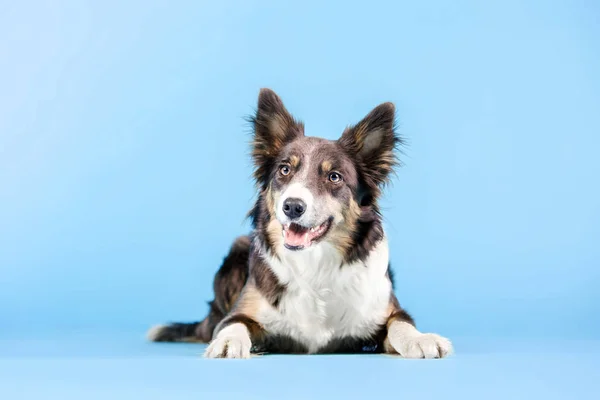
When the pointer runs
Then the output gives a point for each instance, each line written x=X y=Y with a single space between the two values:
x=397 y=313
x=249 y=302
x=342 y=235
x=273 y=228
x=274 y=232
x=326 y=166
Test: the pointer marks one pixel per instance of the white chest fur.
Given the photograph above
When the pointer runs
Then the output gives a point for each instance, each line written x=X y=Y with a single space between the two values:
x=326 y=299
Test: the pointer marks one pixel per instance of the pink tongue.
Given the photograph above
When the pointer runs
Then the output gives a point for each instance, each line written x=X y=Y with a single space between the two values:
x=295 y=239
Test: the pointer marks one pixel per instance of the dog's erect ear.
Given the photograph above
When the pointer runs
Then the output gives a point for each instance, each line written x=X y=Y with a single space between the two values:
x=274 y=127
x=373 y=143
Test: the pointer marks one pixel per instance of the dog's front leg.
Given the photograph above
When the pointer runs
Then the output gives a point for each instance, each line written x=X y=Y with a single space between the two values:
x=234 y=335
x=404 y=339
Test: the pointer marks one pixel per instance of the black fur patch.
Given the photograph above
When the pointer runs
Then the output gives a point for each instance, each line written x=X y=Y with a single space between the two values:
x=265 y=280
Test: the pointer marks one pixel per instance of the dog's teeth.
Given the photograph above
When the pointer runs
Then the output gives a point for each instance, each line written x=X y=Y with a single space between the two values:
x=312 y=229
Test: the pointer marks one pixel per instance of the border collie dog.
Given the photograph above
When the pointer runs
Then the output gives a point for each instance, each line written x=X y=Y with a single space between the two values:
x=313 y=277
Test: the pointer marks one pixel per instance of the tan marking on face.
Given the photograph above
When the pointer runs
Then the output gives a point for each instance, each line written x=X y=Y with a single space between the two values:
x=341 y=235
x=274 y=228
x=326 y=166
x=269 y=196
x=295 y=161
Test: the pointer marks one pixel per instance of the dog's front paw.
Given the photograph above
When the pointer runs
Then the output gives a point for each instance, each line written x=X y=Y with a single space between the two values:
x=231 y=342
x=423 y=345
x=403 y=338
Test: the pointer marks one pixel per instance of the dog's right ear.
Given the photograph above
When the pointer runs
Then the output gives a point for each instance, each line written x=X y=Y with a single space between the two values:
x=274 y=127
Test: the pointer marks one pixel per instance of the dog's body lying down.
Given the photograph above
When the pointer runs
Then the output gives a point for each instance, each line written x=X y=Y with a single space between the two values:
x=314 y=275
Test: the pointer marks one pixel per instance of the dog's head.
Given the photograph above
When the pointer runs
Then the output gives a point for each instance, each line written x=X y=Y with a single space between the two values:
x=313 y=190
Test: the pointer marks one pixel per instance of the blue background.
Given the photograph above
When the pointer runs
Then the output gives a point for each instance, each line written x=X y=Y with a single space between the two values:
x=125 y=175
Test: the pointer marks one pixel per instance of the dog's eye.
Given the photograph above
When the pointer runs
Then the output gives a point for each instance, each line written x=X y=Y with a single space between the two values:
x=284 y=170
x=335 y=177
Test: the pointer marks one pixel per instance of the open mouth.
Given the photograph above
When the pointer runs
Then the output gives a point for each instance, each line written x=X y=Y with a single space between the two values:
x=298 y=237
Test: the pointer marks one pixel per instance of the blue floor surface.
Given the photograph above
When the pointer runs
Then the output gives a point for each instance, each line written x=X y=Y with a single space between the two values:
x=121 y=366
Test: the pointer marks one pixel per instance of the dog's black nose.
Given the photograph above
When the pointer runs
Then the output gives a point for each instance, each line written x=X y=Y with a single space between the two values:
x=294 y=208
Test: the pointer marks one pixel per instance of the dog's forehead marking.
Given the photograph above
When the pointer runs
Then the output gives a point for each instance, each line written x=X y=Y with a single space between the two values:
x=326 y=166
x=294 y=160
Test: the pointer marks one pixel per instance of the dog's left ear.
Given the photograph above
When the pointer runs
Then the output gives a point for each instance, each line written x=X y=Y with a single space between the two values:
x=373 y=142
